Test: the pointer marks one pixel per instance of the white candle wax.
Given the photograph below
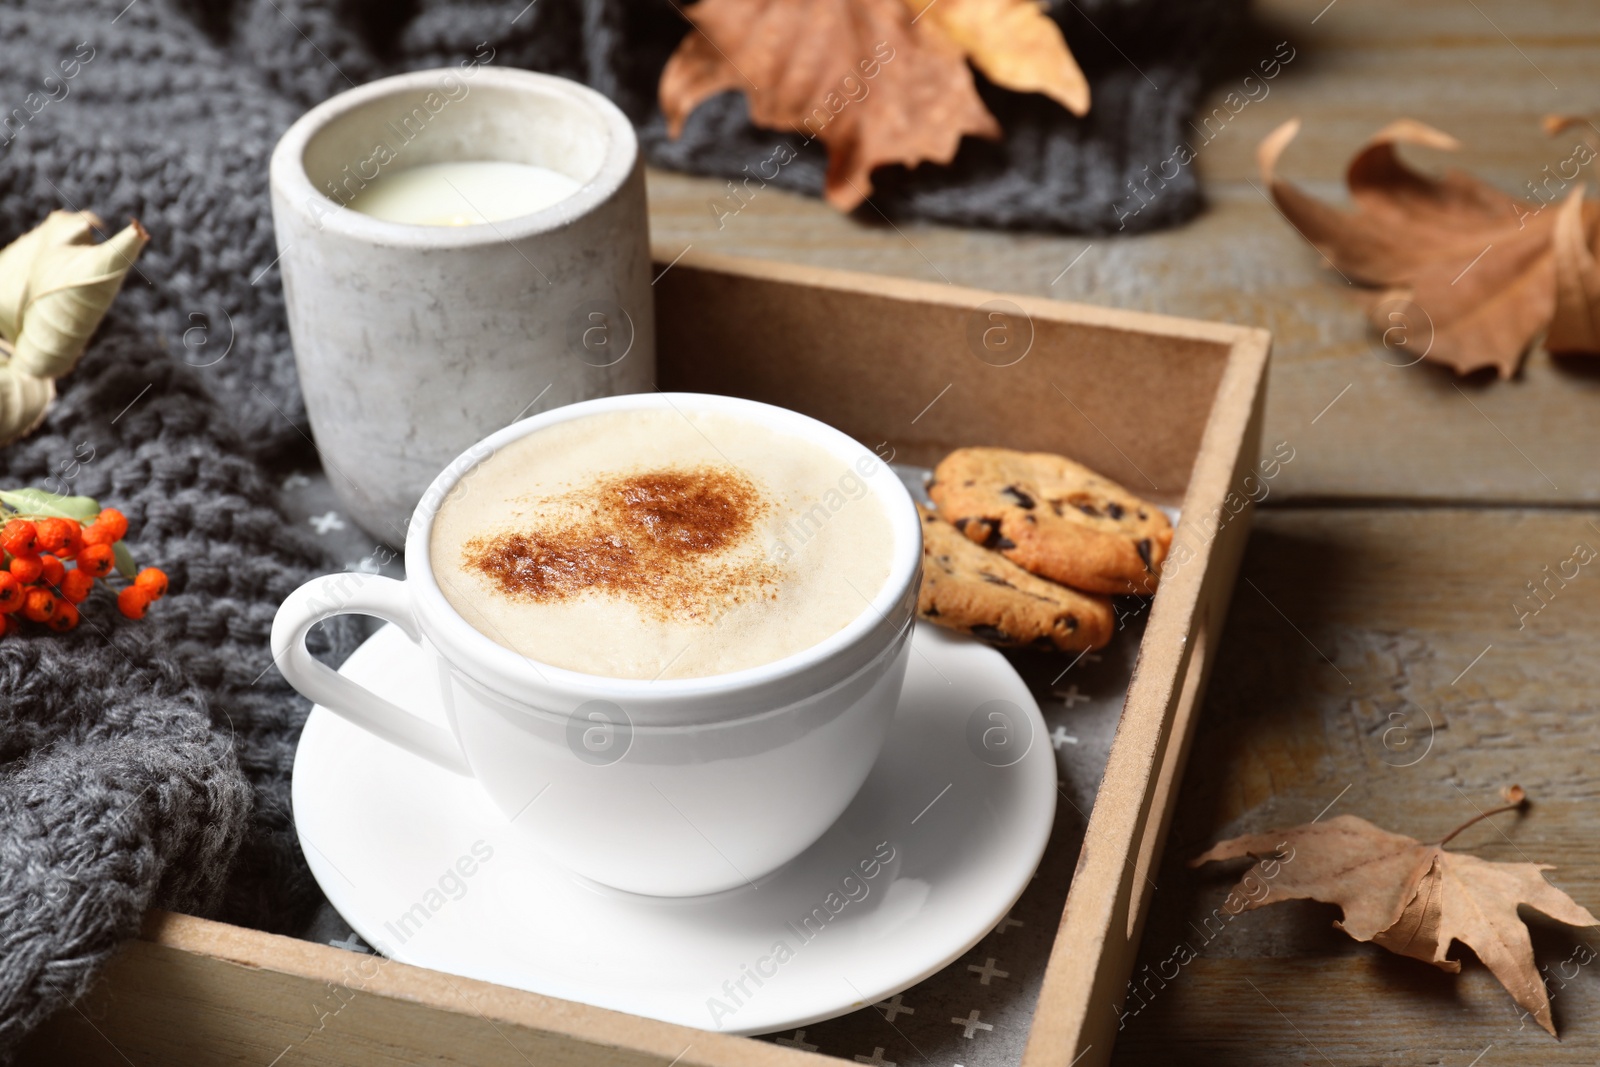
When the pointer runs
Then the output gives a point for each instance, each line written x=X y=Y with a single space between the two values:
x=466 y=193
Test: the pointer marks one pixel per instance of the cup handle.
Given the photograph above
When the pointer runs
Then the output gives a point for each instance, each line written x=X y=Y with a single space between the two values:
x=352 y=593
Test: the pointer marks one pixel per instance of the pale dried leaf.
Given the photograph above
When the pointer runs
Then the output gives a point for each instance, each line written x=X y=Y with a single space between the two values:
x=17 y=259
x=1015 y=43
x=1416 y=932
x=24 y=400
x=1554 y=124
x=1413 y=899
x=69 y=289
x=1575 y=323
x=1272 y=146
x=1478 y=907
x=1369 y=872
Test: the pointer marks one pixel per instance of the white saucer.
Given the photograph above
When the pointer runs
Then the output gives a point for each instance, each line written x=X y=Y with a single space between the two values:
x=426 y=869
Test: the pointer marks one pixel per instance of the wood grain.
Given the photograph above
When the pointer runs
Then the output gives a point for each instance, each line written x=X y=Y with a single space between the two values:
x=1392 y=432
x=1346 y=615
x=907 y=370
x=1402 y=600
x=193 y=992
x=1374 y=664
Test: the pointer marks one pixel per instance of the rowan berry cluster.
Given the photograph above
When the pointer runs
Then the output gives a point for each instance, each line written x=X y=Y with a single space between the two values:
x=51 y=564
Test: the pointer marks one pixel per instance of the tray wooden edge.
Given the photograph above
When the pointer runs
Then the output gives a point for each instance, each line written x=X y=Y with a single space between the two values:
x=250 y=974
x=1078 y=1014
x=916 y=291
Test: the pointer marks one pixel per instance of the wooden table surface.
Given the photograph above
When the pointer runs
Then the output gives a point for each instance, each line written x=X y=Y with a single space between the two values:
x=1373 y=662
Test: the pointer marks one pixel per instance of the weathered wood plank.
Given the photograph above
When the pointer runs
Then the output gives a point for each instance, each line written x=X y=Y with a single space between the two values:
x=1374 y=664
x=1320 y=1013
x=238 y=997
x=1397 y=432
x=1401 y=602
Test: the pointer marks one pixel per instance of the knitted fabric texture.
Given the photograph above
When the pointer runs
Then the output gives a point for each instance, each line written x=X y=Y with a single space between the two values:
x=146 y=764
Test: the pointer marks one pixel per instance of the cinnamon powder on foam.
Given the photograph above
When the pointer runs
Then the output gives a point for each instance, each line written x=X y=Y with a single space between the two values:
x=653 y=537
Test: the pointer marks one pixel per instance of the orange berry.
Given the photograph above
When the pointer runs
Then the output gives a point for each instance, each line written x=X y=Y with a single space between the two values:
x=113 y=522
x=65 y=618
x=76 y=586
x=26 y=569
x=72 y=542
x=97 y=560
x=132 y=601
x=20 y=537
x=40 y=605
x=52 y=570
x=152 y=580
x=51 y=534
x=10 y=593
x=95 y=534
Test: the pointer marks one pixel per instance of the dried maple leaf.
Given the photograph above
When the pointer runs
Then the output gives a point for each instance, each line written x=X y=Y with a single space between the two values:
x=1473 y=265
x=1015 y=43
x=1412 y=898
x=1575 y=324
x=871 y=83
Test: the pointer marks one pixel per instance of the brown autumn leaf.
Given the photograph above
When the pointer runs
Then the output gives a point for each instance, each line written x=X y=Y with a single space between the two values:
x=1575 y=324
x=1554 y=124
x=1015 y=43
x=1468 y=267
x=860 y=75
x=1414 y=899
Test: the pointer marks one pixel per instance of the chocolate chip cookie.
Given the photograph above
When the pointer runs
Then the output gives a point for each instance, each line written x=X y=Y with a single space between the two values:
x=1054 y=517
x=968 y=588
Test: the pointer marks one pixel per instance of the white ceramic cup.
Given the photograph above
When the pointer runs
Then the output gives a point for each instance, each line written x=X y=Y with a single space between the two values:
x=674 y=787
x=413 y=341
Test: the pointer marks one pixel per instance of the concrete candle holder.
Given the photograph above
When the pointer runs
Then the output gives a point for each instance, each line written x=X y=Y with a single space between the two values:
x=414 y=341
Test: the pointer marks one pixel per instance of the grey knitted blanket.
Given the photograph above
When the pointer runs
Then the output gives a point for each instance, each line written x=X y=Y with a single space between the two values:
x=146 y=764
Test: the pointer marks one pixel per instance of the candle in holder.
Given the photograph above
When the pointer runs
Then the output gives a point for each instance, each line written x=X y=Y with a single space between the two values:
x=466 y=193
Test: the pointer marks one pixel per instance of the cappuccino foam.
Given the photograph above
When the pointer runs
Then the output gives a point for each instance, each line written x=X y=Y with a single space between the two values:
x=659 y=544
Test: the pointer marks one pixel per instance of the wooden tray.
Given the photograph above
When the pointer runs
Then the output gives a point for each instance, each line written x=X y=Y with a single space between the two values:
x=1170 y=407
